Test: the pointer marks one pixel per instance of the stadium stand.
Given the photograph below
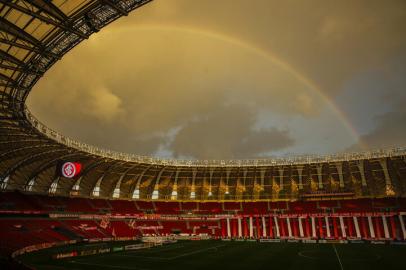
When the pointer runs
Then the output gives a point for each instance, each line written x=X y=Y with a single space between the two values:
x=23 y=224
x=357 y=196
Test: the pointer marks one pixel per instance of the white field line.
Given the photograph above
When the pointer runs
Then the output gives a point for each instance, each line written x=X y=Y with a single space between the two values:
x=164 y=248
x=195 y=252
x=174 y=257
x=140 y=256
x=49 y=266
x=338 y=257
x=108 y=265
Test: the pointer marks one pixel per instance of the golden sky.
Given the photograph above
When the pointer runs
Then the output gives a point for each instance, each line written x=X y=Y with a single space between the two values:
x=235 y=79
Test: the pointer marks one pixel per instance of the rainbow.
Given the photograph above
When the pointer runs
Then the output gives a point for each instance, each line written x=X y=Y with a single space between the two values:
x=270 y=57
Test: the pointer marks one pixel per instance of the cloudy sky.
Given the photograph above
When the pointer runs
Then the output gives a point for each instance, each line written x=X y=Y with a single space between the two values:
x=236 y=79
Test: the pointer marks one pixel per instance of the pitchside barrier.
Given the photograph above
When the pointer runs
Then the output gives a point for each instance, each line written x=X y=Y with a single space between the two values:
x=174 y=238
x=94 y=251
x=314 y=241
x=41 y=246
x=151 y=241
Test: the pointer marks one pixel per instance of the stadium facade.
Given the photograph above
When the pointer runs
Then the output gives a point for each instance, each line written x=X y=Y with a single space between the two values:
x=346 y=196
x=36 y=34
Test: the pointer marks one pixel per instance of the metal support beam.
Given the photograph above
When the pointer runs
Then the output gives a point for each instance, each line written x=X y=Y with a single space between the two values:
x=40 y=50
x=137 y=185
x=31 y=158
x=44 y=18
x=210 y=180
x=50 y=9
x=228 y=172
x=98 y=183
x=339 y=167
x=86 y=171
x=10 y=58
x=319 y=168
x=281 y=184
x=20 y=69
x=19 y=33
x=14 y=150
x=7 y=79
x=156 y=186
x=13 y=84
x=300 y=174
x=263 y=172
x=193 y=189
x=45 y=166
x=122 y=177
x=360 y=165
x=174 y=193
x=116 y=7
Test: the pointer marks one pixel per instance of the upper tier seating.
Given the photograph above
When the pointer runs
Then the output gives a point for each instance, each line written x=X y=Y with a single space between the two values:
x=189 y=206
x=167 y=207
x=145 y=205
x=210 y=207
x=15 y=201
x=232 y=206
x=123 y=207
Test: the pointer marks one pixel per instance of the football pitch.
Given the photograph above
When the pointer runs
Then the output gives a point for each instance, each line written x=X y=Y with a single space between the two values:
x=211 y=255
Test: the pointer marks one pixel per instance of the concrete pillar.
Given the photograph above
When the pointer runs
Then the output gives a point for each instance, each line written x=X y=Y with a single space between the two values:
x=228 y=228
x=289 y=228
x=402 y=226
x=300 y=227
x=357 y=230
x=385 y=227
x=251 y=228
x=277 y=227
x=239 y=228
x=343 y=232
x=314 y=235
x=271 y=235
x=371 y=227
x=327 y=227
x=263 y=227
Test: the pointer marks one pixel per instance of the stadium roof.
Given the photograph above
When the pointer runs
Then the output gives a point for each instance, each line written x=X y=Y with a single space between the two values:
x=37 y=33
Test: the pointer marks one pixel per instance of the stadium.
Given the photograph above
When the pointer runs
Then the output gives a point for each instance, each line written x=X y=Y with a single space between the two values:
x=69 y=205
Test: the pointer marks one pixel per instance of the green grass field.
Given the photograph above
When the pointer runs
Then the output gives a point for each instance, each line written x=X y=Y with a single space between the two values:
x=211 y=255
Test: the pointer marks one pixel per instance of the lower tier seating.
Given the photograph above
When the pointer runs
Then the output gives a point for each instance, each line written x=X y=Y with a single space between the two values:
x=35 y=219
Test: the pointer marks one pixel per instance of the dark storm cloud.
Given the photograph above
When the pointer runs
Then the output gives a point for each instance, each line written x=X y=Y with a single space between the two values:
x=230 y=133
x=385 y=90
x=390 y=131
